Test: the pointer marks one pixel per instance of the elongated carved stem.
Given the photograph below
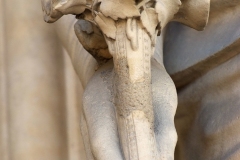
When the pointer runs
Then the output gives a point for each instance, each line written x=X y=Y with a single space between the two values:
x=132 y=90
x=129 y=28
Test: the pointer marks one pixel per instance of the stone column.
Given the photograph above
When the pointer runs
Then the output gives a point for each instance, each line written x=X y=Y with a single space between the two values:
x=37 y=126
x=3 y=88
x=74 y=92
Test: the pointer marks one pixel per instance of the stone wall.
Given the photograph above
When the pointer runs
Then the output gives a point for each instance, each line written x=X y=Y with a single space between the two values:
x=40 y=93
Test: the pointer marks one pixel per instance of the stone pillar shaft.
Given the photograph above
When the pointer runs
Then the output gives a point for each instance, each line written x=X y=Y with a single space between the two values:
x=37 y=128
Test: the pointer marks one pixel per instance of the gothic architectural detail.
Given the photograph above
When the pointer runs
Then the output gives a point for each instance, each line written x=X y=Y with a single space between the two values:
x=126 y=30
x=119 y=83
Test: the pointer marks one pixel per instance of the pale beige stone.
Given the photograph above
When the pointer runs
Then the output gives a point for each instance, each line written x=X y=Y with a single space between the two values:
x=73 y=94
x=131 y=45
x=4 y=123
x=41 y=110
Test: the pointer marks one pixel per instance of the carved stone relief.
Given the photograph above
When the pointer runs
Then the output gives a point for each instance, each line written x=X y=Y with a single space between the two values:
x=126 y=31
x=129 y=101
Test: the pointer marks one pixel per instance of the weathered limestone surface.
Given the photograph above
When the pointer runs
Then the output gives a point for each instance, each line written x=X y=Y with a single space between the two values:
x=41 y=109
x=130 y=42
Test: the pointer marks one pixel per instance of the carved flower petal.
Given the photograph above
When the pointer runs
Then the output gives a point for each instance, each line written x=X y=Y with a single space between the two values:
x=107 y=25
x=119 y=8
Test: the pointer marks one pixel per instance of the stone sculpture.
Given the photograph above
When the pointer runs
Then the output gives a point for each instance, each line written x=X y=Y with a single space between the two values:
x=126 y=31
x=41 y=97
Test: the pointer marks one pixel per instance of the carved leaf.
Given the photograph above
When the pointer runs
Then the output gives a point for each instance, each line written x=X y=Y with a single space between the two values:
x=54 y=9
x=107 y=25
x=194 y=13
x=50 y=15
x=119 y=8
x=166 y=10
x=86 y=15
x=149 y=19
x=70 y=6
